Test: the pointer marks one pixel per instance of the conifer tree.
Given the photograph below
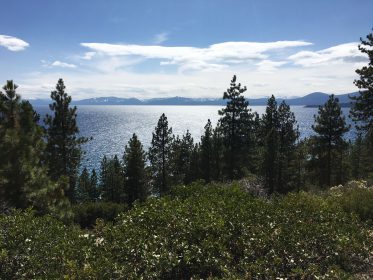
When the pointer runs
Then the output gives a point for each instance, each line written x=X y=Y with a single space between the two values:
x=182 y=150
x=217 y=155
x=270 y=142
x=136 y=183
x=287 y=136
x=23 y=178
x=95 y=194
x=362 y=109
x=236 y=125
x=159 y=156
x=63 y=144
x=112 y=180
x=207 y=152
x=330 y=126
x=86 y=190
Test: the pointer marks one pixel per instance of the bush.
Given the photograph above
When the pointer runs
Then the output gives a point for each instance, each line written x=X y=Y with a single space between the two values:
x=197 y=232
x=356 y=197
x=86 y=214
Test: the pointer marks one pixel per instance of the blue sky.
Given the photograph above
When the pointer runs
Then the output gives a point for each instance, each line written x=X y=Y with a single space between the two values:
x=187 y=48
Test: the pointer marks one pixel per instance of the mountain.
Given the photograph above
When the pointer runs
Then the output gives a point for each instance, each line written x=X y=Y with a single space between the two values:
x=310 y=100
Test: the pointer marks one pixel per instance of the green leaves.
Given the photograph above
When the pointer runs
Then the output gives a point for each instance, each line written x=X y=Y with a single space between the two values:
x=215 y=231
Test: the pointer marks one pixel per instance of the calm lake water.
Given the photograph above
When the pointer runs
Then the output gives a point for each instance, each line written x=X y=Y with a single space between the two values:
x=112 y=126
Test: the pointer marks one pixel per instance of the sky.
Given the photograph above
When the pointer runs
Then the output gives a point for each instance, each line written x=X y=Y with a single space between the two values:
x=165 y=48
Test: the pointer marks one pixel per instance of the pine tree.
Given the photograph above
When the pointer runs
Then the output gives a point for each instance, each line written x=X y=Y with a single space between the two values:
x=181 y=151
x=135 y=171
x=270 y=142
x=362 y=109
x=112 y=180
x=95 y=193
x=23 y=178
x=287 y=136
x=63 y=144
x=159 y=156
x=236 y=125
x=86 y=190
x=217 y=155
x=330 y=126
x=207 y=152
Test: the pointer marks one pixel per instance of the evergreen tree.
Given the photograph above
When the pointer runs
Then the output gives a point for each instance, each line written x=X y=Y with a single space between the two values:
x=182 y=150
x=362 y=109
x=270 y=142
x=207 y=152
x=330 y=126
x=112 y=180
x=23 y=178
x=135 y=171
x=287 y=137
x=217 y=155
x=236 y=125
x=95 y=193
x=87 y=187
x=160 y=155
x=63 y=144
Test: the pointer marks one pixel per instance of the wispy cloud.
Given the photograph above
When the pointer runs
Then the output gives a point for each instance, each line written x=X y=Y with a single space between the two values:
x=160 y=38
x=348 y=52
x=284 y=68
x=12 y=43
x=214 y=57
x=58 y=63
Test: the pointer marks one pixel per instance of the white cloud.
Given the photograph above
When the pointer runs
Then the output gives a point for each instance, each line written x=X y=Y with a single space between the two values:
x=88 y=55
x=160 y=38
x=58 y=63
x=265 y=68
x=348 y=52
x=12 y=43
x=192 y=58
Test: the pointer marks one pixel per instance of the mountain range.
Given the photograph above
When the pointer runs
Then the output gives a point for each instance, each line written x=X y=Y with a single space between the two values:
x=309 y=100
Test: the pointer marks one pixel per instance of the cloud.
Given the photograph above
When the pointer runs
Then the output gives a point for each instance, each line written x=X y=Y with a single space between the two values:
x=348 y=52
x=88 y=55
x=159 y=71
x=214 y=57
x=58 y=63
x=160 y=38
x=12 y=43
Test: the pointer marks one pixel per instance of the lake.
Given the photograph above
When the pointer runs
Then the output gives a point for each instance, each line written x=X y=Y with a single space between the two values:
x=112 y=126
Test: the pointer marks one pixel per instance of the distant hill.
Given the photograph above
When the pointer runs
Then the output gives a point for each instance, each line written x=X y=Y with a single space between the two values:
x=309 y=100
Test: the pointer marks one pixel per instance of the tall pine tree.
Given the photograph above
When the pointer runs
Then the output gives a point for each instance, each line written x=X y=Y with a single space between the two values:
x=207 y=152
x=236 y=125
x=287 y=136
x=136 y=183
x=23 y=178
x=160 y=155
x=63 y=144
x=362 y=109
x=330 y=127
x=112 y=187
x=270 y=142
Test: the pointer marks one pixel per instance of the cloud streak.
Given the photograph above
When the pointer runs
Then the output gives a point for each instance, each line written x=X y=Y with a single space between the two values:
x=348 y=52
x=12 y=43
x=214 y=57
x=58 y=63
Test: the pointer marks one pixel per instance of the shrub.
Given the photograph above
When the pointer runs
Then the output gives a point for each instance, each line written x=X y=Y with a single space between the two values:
x=197 y=232
x=86 y=214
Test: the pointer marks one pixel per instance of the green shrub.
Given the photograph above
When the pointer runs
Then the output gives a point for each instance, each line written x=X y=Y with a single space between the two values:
x=86 y=214
x=355 y=197
x=197 y=232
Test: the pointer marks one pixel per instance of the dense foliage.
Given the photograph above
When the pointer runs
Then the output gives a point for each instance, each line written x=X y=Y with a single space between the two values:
x=216 y=231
